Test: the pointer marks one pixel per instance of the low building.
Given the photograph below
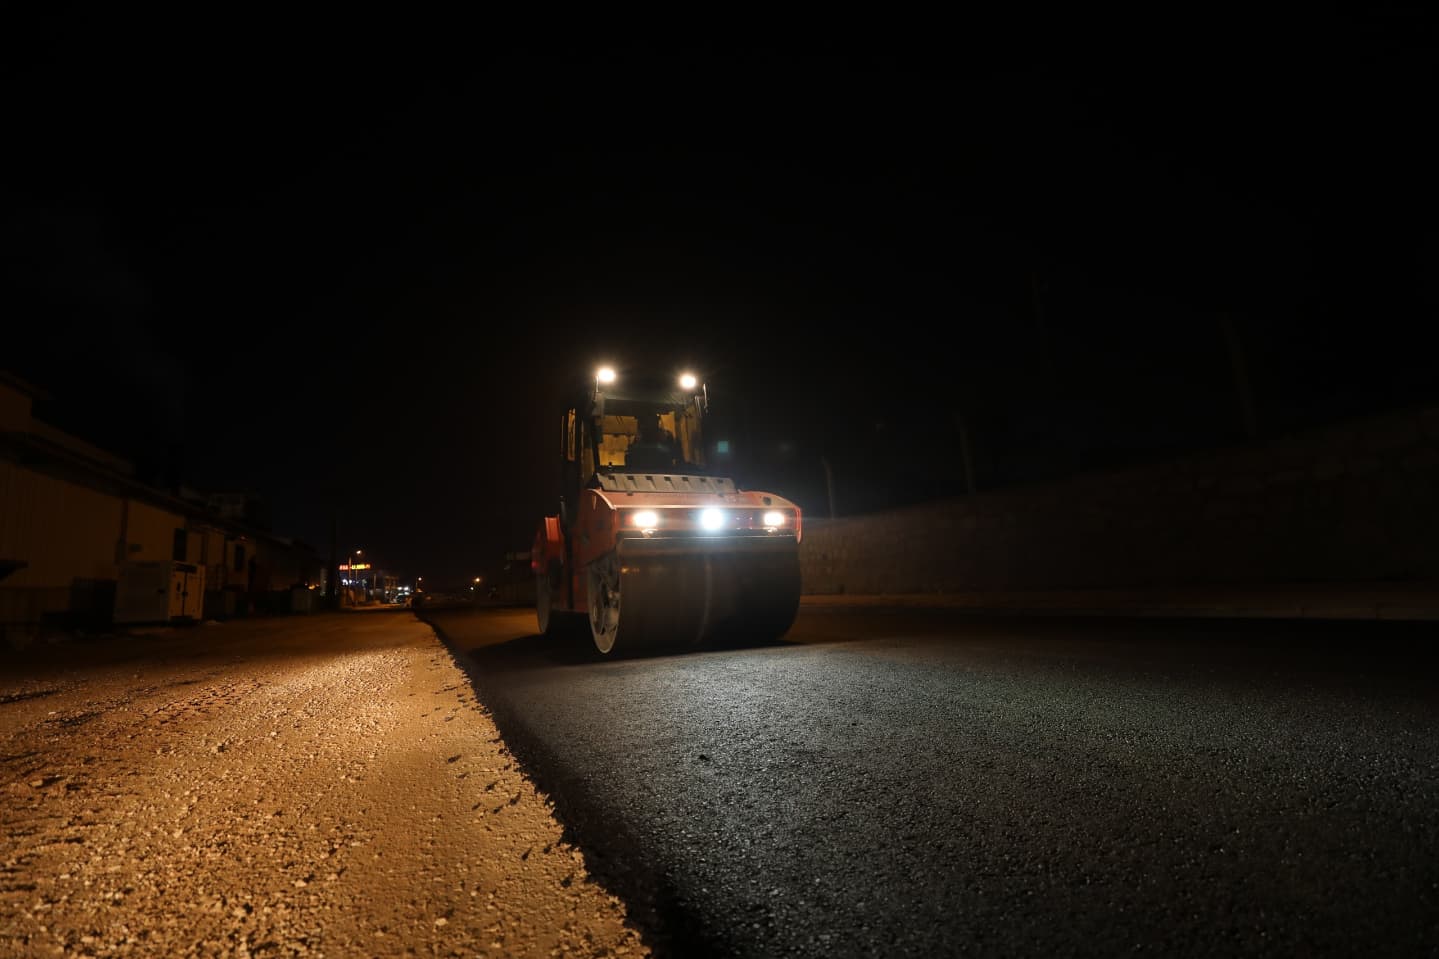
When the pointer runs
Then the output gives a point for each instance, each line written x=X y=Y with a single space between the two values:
x=73 y=516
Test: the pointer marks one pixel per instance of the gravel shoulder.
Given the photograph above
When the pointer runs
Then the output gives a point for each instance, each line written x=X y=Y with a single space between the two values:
x=319 y=785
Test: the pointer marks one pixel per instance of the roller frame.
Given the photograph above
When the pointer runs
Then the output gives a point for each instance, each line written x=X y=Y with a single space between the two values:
x=676 y=591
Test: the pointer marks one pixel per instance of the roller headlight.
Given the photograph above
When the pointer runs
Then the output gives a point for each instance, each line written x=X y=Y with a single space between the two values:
x=645 y=519
x=773 y=518
x=712 y=519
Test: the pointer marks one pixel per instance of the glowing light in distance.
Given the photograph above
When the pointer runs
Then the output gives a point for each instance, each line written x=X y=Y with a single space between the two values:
x=688 y=381
x=645 y=519
x=774 y=518
x=606 y=374
x=711 y=518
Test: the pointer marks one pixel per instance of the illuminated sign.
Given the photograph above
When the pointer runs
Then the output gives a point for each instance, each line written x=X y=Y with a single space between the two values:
x=356 y=566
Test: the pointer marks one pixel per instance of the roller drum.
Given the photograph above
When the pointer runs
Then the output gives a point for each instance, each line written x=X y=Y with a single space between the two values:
x=654 y=594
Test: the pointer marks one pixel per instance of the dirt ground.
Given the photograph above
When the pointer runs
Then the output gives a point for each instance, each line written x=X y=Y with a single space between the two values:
x=306 y=786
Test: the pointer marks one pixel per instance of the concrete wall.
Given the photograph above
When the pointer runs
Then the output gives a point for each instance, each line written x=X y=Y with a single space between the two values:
x=60 y=529
x=67 y=534
x=150 y=533
x=212 y=554
x=1358 y=501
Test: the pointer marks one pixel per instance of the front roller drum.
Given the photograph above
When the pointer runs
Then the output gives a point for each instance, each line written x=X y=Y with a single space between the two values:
x=683 y=599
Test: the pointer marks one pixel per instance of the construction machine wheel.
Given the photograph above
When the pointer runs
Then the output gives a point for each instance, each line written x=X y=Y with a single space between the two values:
x=604 y=601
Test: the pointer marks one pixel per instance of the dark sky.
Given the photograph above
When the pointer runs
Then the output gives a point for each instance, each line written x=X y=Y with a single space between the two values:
x=348 y=272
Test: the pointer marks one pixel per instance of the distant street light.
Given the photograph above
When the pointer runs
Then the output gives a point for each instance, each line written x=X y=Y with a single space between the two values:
x=351 y=579
x=828 y=484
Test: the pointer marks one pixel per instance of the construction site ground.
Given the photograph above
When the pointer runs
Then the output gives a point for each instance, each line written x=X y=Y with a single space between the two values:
x=328 y=785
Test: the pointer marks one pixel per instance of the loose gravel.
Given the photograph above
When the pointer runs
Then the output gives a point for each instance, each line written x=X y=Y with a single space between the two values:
x=312 y=786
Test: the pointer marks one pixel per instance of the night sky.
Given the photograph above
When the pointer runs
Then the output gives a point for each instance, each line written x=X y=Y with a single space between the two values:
x=349 y=274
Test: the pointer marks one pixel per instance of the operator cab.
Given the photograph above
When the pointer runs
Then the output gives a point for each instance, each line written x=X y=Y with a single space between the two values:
x=636 y=425
x=635 y=433
x=647 y=431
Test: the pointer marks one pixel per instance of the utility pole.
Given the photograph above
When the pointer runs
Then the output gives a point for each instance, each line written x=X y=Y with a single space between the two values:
x=1048 y=393
x=963 y=429
x=332 y=581
x=1240 y=370
x=828 y=484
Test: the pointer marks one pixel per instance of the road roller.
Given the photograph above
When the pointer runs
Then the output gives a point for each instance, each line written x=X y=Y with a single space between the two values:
x=651 y=549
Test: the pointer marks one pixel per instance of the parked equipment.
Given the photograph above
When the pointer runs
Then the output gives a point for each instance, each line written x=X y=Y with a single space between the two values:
x=160 y=592
x=649 y=545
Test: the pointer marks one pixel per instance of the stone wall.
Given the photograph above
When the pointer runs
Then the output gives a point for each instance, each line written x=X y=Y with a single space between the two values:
x=1357 y=501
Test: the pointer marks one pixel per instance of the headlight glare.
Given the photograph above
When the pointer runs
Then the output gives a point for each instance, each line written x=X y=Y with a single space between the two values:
x=711 y=518
x=773 y=518
x=645 y=519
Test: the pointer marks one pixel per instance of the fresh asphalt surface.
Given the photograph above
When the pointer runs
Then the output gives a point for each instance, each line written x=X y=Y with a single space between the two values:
x=921 y=783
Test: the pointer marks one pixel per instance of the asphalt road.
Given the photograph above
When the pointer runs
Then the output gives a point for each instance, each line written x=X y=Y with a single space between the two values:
x=922 y=783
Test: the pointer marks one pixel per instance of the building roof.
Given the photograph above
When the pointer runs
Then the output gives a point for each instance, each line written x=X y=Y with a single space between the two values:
x=24 y=386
